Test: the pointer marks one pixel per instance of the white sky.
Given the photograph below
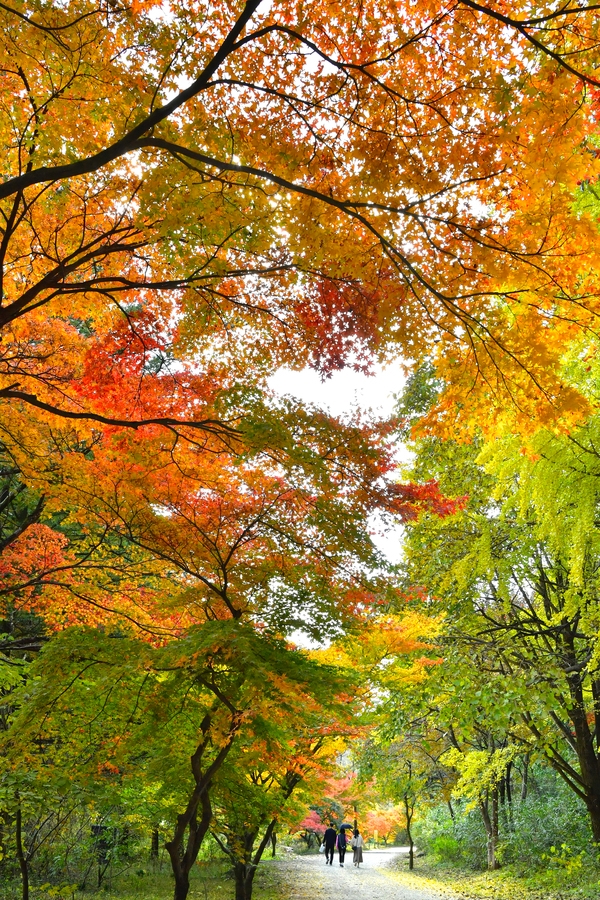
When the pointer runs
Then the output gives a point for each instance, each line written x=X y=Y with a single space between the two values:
x=344 y=391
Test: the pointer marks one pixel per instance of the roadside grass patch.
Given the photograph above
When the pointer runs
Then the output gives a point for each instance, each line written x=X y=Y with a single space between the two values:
x=553 y=882
x=210 y=880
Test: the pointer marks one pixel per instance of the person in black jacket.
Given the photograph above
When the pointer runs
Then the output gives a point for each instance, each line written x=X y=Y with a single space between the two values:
x=329 y=841
x=341 y=845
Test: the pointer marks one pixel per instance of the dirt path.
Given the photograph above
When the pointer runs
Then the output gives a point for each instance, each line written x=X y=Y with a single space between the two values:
x=309 y=878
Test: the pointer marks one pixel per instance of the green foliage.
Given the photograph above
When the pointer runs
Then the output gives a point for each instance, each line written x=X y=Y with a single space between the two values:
x=551 y=816
x=565 y=858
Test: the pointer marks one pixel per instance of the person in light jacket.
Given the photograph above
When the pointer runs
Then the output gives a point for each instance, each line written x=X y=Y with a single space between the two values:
x=357 y=846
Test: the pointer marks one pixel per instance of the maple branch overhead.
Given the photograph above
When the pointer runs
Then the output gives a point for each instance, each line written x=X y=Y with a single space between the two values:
x=128 y=142
x=211 y=426
x=451 y=303
x=49 y=29
x=439 y=256
x=520 y=25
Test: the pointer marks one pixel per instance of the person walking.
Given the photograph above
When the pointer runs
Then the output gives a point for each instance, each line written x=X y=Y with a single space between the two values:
x=341 y=844
x=357 y=845
x=329 y=841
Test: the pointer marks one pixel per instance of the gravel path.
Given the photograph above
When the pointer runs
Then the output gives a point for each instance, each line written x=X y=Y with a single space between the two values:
x=309 y=878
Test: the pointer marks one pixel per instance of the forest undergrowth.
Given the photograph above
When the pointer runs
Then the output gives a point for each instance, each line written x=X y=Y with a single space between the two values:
x=515 y=882
x=142 y=881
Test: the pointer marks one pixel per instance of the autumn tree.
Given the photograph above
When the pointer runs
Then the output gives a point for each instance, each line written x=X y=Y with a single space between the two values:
x=194 y=196
x=146 y=269
x=284 y=756
x=117 y=710
x=516 y=573
x=383 y=823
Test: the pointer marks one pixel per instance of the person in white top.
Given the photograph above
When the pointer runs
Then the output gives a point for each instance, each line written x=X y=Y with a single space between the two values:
x=357 y=846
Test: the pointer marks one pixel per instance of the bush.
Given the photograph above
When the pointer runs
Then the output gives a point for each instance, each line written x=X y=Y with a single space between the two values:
x=551 y=816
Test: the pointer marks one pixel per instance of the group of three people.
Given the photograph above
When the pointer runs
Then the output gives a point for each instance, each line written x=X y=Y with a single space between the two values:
x=334 y=840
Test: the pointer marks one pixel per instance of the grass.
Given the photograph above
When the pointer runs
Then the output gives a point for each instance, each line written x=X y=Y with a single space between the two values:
x=514 y=882
x=210 y=880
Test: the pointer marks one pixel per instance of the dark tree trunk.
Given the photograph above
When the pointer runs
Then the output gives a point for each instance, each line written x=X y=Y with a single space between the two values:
x=21 y=855
x=182 y=859
x=240 y=871
x=525 y=778
x=584 y=741
x=154 y=845
x=182 y=885
x=252 y=865
x=409 y=809
x=244 y=869
x=505 y=792
x=509 y=796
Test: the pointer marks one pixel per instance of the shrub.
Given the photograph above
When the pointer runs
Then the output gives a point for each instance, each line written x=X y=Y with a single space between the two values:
x=551 y=816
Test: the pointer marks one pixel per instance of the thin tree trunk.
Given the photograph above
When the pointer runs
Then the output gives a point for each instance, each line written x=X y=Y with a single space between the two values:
x=239 y=872
x=21 y=855
x=490 y=821
x=525 y=778
x=495 y=820
x=245 y=871
x=183 y=860
x=409 y=811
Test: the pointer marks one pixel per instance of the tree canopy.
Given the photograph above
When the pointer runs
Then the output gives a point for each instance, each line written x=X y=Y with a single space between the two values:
x=194 y=196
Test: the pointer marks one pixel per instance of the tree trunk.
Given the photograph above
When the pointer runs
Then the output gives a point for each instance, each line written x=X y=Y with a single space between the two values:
x=241 y=882
x=245 y=870
x=495 y=829
x=409 y=811
x=505 y=793
x=593 y=807
x=584 y=743
x=509 y=794
x=154 y=845
x=525 y=779
x=182 y=885
x=183 y=860
x=490 y=821
x=21 y=855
